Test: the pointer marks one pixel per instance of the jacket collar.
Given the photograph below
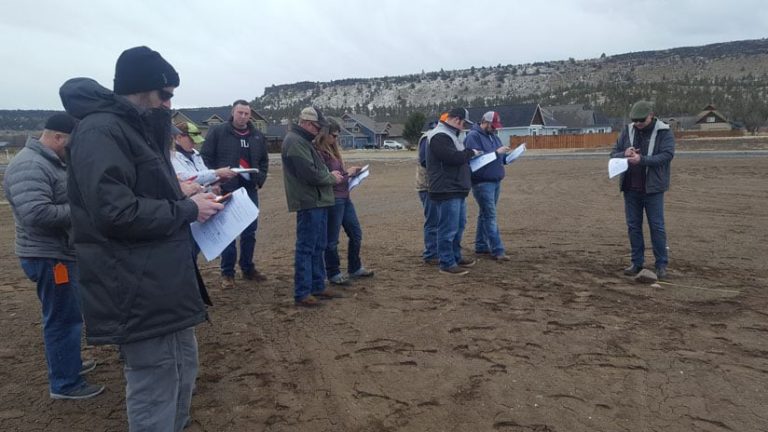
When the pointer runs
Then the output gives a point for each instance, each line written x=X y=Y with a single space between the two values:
x=35 y=145
x=302 y=132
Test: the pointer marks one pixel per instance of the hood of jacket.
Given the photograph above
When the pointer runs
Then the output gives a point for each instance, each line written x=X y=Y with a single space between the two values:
x=84 y=96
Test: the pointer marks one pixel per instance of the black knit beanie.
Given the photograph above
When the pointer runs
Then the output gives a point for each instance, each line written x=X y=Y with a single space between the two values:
x=140 y=70
x=60 y=123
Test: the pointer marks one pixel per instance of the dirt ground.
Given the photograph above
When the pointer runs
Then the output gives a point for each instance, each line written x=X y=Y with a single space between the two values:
x=555 y=340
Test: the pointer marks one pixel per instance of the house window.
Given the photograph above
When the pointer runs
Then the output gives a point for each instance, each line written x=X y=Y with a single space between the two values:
x=711 y=119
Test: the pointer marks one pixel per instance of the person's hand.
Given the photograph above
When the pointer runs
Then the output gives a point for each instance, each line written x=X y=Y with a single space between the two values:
x=337 y=176
x=503 y=150
x=477 y=152
x=206 y=206
x=216 y=189
x=629 y=152
x=634 y=159
x=353 y=171
x=190 y=187
x=225 y=173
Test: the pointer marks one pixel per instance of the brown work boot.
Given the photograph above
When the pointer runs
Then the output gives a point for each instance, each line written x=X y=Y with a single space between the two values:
x=309 y=301
x=328 y=294
x=227 y=282
x=254 y=275
x=467 y=262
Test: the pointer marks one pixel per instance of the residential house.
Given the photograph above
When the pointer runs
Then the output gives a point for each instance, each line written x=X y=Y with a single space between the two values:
x=204 y=118
x=364 y=131
x=275 y=134
x=521 y=120
x=579 y=120
x=710 y=119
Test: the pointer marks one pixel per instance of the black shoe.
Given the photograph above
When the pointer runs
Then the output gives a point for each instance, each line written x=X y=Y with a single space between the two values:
x=467 y=262
x=85 y=391
x=661 y=273
x=254 y=275
x=632 y=270
x=455 y=270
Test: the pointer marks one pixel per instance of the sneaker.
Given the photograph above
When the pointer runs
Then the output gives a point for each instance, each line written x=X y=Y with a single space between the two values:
x=361 y=272
x=85 y=391
x=309 y=301
x=467 y=262
x=661 y=273
x=254 y=275
x=328 y=294
x=87 y=366
x=502 y=257
x=338 y=279
x=455 y=270
x=431 y=261
x=632 y=270
x=227 y=282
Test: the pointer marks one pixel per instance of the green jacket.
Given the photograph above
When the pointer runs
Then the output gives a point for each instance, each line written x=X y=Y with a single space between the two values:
x=308 y=183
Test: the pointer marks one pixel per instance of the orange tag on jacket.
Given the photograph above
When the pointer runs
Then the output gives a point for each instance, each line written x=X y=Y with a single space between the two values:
x=60 y=274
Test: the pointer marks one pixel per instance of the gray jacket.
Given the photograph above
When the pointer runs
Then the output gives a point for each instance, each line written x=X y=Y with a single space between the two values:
x=35 y=184
x=656 y=159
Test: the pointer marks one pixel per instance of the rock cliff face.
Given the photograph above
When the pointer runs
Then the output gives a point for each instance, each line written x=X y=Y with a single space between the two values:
x=566 y=81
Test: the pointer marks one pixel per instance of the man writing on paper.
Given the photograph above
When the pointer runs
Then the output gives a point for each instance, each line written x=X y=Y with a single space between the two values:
x=486 y=184
x=449 y=183
x=139 y=284
x=649 y=146
x=238 y=144
x=309 y=193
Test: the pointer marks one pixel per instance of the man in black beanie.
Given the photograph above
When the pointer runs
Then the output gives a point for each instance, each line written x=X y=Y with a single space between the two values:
x=140 y=286
x=35 y=184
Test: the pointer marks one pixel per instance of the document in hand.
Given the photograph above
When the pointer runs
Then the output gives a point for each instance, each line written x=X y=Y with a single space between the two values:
x=356 y=180
x=516 y=153
x=484 y=159
x=220 y=230
x=617 y=166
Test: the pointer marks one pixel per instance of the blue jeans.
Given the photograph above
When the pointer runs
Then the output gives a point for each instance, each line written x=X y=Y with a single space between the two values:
x=431 y=219
x=62 y=322
x=453 y=219
x=343 y=215
x=487 y=239
x=653 y=204
x=309 y=265
x=247 y=246
x=159 y=379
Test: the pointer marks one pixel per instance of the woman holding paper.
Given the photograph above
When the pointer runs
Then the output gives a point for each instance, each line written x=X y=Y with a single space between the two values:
x=342 y=214
x=188 y=163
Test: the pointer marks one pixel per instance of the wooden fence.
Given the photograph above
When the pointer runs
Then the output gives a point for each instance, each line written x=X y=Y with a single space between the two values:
x=709 y=134
x=535 y=142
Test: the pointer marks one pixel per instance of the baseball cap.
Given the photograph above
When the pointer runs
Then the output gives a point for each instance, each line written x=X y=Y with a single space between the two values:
x=492 y=117
x=460 y=113
x=313 y=114
x=189 y=129
x=641 y=109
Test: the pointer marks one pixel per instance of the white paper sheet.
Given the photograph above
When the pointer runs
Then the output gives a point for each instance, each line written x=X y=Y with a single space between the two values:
x=516 y=153
x=480 y=161
x=245 y=170
x=617 y=166
x=356 y=180
x=220 y=230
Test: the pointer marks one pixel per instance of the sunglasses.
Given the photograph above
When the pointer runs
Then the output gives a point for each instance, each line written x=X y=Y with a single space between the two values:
x=640 y=120
x=165 y=95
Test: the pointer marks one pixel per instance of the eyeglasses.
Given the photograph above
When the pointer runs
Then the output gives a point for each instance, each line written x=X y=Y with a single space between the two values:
x=165 y=95
x=640 y=120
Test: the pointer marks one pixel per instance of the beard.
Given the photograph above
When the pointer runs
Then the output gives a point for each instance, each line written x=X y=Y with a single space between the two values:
x=158 y=121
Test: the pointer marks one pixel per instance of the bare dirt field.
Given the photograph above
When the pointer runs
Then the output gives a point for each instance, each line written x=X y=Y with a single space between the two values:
x=555 y=340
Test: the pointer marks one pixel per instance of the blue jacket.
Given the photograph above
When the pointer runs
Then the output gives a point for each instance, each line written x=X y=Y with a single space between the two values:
x=478 y=139
x=656 y=162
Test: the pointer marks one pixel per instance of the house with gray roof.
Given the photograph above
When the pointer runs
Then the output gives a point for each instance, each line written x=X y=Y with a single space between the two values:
x=520 y=120
x=204 y=118
x=367 y=132
x=578 y=119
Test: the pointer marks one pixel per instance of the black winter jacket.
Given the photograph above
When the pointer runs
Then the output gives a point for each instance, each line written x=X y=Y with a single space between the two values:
x=130 y=222
x=447 y=164
x=222 y=149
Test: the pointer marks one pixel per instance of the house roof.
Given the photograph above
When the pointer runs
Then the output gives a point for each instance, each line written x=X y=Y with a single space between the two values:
x=345 y=131
x=710 y=110
x=396 y=129
x=364 y=121
x=518 y=115
x=576 y=116
x=200 y=116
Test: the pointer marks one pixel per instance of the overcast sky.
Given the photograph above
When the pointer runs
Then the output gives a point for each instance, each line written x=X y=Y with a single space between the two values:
x=226 y=50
